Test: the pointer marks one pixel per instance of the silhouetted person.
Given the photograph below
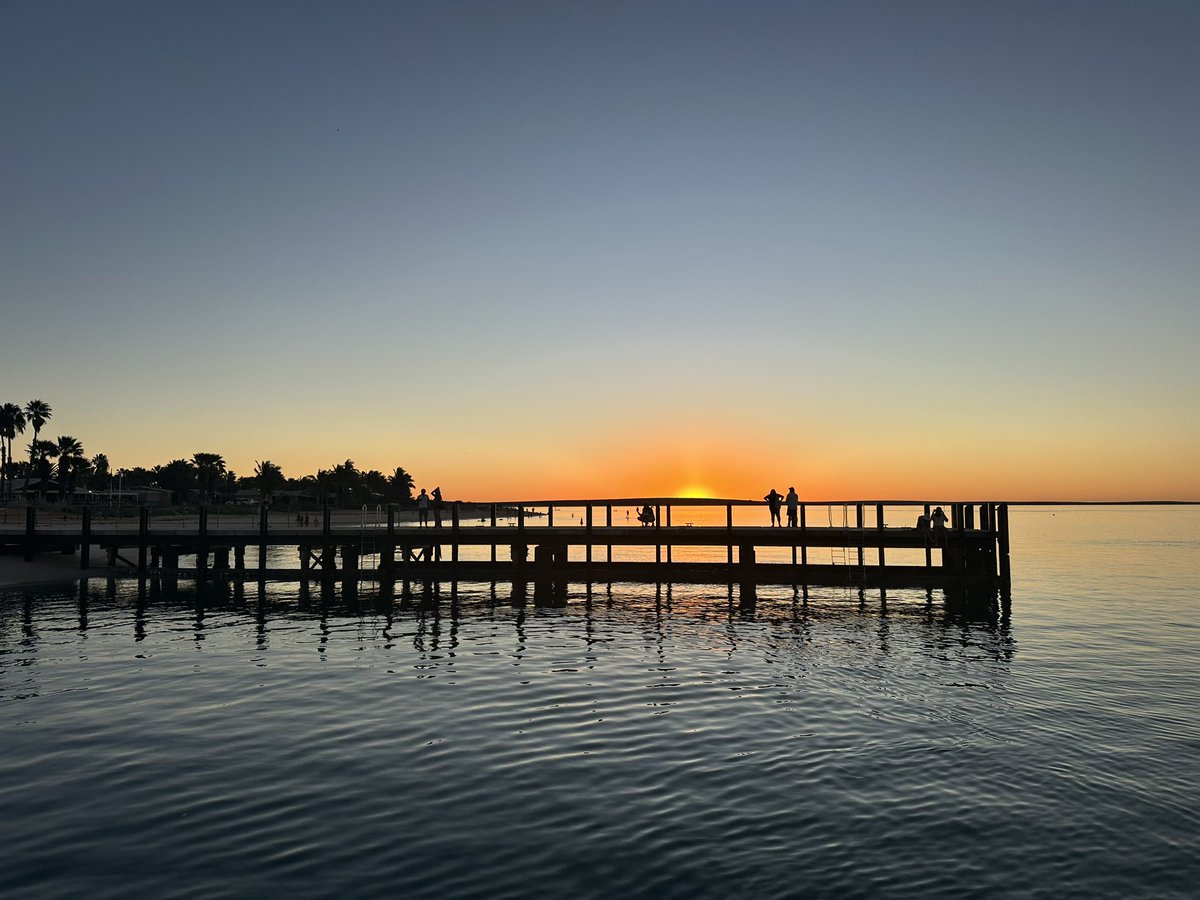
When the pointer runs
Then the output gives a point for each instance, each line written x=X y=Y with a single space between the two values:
x=793 y=508
x=646 y=516
x=437 y=507
x=923 y=524
x=422 y=509
x=774 y=499
x=938 y=520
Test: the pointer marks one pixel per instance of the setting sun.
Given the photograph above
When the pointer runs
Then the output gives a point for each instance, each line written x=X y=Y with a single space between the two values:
x=693 y=491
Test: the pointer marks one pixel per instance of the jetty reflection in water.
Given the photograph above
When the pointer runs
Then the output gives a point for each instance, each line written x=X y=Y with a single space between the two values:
x=432 y=613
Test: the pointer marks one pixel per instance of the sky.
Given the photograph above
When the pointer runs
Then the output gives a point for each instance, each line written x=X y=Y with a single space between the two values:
x=890 y=250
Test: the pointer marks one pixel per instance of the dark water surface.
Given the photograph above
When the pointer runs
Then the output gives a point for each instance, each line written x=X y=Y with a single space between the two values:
x=646 y=742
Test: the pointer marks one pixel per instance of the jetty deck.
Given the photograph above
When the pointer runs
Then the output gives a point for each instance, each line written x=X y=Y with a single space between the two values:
x=520 y=542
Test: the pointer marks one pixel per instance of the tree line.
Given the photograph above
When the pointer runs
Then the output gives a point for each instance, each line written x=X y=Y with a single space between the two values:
x=204 y=477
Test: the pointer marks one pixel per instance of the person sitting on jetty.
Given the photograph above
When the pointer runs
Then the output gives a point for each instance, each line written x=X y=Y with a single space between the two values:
x=646 y=516
x=423 y=509
x=774 y=499
x=793 y=507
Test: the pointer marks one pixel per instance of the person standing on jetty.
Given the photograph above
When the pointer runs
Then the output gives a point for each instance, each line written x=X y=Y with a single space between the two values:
x=423 y=509
x=793 y=507
x=437 y=507
x=774 y=499
x=938 y=520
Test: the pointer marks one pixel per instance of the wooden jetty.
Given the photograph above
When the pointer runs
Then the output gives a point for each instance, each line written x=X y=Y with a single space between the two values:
x=520 y=542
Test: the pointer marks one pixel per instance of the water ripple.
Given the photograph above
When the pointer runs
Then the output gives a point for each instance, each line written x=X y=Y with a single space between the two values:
x=643 y=743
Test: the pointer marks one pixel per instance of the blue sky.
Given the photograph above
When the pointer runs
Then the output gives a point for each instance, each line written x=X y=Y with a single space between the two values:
x=893 y=247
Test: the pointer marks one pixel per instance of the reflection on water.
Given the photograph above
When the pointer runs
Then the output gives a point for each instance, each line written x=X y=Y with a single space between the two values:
x=640 y=740
x=779 y=618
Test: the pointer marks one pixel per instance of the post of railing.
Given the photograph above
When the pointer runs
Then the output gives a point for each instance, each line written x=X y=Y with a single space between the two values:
x=608 y=524
x=85 y=539
x=880 y=526
x=387 y=559
x=858 y=520
x=1002 y=538
x=263 y=526
x=30 y=530
x=493 y=526
x=729 y=527
x=668 y=539
x=657 y=526
x=521 y=518
x=587 y=524
x=803 y=535
x=928 y=542
x=143 y=537
x=202 y=533
x=327 y=548
x=550 y=515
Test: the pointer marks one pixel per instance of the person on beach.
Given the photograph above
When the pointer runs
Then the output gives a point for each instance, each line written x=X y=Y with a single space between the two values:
x=437 y=507
x=774 y=499
x=793 y=508
x=423 y=509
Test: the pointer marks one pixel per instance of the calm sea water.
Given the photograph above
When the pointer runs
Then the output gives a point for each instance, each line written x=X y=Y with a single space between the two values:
x=642 y=742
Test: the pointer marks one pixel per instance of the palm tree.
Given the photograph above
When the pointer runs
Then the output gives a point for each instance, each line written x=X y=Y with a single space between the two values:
x=269 y=478
x=70 y=455
x=40 y=454
x=12 y=423
x=177 y=476
x=37 y=414
x=401 y=483
x=100 y=466
x=208 y=466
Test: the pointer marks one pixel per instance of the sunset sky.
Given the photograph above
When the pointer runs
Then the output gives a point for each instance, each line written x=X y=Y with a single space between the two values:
x=894 y=249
